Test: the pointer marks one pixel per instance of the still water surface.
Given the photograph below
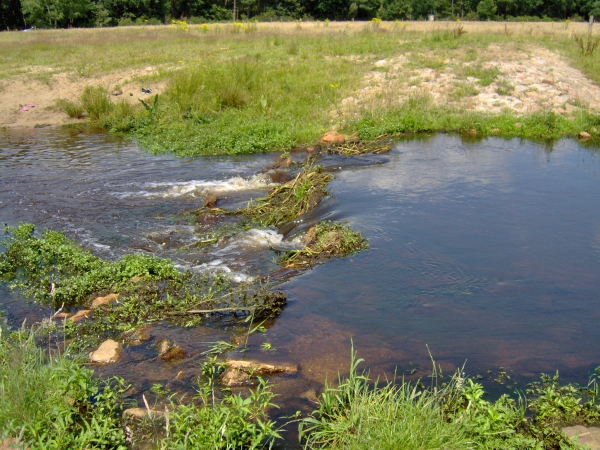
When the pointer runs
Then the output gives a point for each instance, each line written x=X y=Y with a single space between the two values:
x=486 y=252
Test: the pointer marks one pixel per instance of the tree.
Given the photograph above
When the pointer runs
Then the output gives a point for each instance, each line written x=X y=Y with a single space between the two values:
x=487 y=9
x=11 y=15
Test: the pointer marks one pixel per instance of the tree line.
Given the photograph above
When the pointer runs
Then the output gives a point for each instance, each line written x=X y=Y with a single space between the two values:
x=18 y=14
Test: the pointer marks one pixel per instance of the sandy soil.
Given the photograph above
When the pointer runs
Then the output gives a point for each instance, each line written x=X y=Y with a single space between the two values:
x=16 y=94
x=537 y=80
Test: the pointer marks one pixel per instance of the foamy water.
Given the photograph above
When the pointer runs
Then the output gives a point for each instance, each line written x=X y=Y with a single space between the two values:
x=197 y=188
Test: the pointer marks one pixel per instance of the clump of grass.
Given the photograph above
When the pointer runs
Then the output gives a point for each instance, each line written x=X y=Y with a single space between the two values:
x=96 y=102
x=485 y=76
x=326 y=240
x=461 y=90
x=234 y=422
x=53 y=401
x=504 y=87
x=449 y=415
x=291 y=200
x=354 y=415
x=72 y=109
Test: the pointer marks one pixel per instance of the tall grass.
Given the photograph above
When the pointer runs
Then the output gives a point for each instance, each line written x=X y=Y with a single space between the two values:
x=449 y=414
x=53 y=402
x=356 y=416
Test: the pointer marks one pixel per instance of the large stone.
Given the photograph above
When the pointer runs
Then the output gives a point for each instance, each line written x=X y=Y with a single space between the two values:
x=584 y=135
x=100 y=301
x=137 y=335
x=109 y=352
x=332 y=137
x=168 y=350
x=588 y=437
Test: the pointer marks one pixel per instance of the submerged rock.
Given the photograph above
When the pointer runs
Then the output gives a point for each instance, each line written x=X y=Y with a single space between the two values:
x=588 y=437
x=136 y=336
x=310 y=237
x=235 y=377
x=109 y=352
x=211 y=201
x=168 y=350
x=80 y=315
x=141 y=413
x=100 y=301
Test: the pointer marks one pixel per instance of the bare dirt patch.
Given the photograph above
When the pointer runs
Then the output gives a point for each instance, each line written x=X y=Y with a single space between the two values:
x=522 y=81
x=17 y=95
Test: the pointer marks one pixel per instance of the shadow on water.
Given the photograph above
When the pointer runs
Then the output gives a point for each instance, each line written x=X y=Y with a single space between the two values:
x=487 y=252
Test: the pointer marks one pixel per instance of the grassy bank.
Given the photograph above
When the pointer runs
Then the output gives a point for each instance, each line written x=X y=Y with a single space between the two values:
x=451 y=414
x=53 y=401
x=229 y=88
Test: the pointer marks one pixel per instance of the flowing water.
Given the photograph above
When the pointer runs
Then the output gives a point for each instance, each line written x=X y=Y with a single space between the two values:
x=486 y=252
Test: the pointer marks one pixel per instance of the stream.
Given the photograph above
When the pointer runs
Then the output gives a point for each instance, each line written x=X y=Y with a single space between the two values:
x=483 y=253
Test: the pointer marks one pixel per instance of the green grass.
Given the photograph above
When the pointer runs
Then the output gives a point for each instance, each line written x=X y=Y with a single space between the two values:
x=53 y=270
x=274 y=88
x=449 y=414
x=55 y=402
x=406 y=119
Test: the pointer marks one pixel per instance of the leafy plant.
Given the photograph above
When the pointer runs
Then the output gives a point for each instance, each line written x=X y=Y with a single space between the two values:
x=234 y=422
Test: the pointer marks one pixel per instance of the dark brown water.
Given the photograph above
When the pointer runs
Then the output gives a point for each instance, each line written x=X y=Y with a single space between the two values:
x=485 y=252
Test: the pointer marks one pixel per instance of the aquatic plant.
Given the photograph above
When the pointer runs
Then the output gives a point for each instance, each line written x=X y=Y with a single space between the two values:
x=289 y=201
x=326 y=240
x=54 y=270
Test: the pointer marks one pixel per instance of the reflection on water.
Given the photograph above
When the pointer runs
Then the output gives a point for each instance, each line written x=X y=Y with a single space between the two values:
x=487 y=252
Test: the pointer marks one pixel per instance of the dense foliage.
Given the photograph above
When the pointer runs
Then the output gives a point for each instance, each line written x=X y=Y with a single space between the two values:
x=68 y=13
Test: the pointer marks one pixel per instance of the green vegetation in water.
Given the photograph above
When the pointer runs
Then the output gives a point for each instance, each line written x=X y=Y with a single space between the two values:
x=54 y=401
x=291 y=200
x=53 y=270
x=450 y=415
x=324 y=241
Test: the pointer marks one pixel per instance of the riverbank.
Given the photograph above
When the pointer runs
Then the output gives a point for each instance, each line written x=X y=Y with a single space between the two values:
x=226 y=88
